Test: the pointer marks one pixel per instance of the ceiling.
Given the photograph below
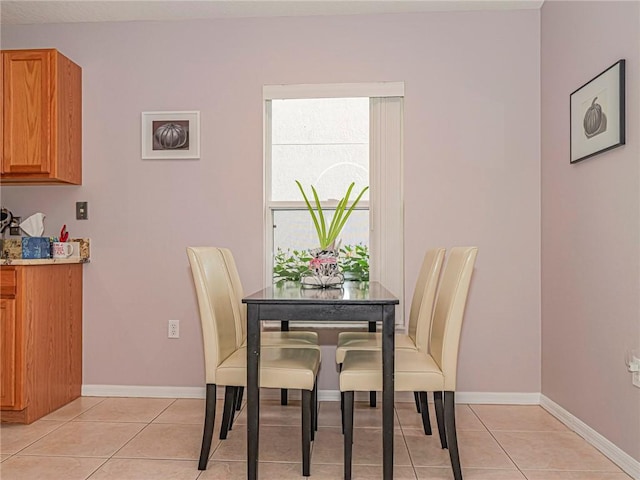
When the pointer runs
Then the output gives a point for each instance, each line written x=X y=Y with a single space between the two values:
x=22 y=12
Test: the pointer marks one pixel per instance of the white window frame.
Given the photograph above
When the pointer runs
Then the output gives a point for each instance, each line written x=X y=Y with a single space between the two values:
x=386 y=208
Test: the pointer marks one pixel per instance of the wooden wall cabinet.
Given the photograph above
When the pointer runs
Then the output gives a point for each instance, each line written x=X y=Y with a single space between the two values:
x=41 y=130
x=41 y=339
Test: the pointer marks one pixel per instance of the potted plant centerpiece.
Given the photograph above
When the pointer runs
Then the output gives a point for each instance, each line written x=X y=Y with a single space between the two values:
x=323 y=267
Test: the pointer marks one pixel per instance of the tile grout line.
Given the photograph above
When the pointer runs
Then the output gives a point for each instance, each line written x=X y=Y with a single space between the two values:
x=130 y=440
x=62 y=423
x=44 y=419
x=117 y=450
x=497 y=441
x=406 y=444
x=96 y=469
x=39 y=438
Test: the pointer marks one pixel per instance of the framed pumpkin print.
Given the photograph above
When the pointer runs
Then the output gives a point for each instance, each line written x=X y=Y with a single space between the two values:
x=597 y=114
x=170 y=135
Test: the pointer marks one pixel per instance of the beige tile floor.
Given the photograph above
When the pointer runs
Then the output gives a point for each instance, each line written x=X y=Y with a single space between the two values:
x=142 y=438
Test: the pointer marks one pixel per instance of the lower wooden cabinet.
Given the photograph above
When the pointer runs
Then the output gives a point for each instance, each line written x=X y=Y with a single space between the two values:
x=41 y=339
x=9 y=396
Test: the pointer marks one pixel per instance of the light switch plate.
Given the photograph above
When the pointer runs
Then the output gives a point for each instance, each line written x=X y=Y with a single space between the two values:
x=82 y=210
x=14 y=228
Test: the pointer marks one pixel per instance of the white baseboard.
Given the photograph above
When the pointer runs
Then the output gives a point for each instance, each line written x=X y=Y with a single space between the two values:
x=627 y=463
x=498 y=398
x=504 y=398
x=491 y=398
x=134 y=391
x=142 y=391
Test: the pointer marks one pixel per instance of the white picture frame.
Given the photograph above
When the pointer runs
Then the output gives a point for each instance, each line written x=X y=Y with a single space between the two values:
x=170 y=135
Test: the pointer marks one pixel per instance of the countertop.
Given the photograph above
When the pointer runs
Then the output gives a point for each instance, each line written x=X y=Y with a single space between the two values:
x=12 y=253
x=41 y=261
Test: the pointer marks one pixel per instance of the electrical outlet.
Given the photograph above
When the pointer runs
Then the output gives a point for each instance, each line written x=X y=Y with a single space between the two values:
x=633 y=365
x=174 y=328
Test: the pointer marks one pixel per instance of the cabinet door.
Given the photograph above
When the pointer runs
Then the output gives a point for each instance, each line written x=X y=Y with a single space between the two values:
x=9 y=396
x=2 y=114
x=27 y=98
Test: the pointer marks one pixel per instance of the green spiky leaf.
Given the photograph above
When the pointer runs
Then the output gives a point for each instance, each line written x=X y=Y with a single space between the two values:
x=327 y=236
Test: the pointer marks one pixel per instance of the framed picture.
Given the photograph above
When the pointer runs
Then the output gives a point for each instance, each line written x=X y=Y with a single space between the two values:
x=597 y=114
x=170 y=135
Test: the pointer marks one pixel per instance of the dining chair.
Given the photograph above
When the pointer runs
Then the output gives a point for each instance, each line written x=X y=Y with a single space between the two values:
x=420 y=316
x=225 y=361
x=289 y=339
x=420 y=370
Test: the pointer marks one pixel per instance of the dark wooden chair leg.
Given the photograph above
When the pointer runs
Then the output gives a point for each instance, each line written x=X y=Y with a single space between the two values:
x=341 y=403
x=209 y=420
x=416 y=398
x=452 y=439
x=232 y=409
x=437 y=400
x=227 y=413
x=424 y=410
x=314 y=411
x=342 y=410
x=239 y=398
x=307 y=427
x=348 y=434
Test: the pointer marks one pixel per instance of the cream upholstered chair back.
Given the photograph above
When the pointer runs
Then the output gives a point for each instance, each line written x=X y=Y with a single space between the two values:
x=449 y=312
x=238 y=293
x=423 y=300
x=215 y=301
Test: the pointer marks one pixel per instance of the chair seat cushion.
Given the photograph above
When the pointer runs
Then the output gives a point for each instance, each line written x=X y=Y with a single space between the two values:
x=415 y=371
x=348 y=341
x=290 y=339
x=294 y=368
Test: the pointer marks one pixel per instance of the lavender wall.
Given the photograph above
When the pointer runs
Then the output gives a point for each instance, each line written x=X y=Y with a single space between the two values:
x=590 y=226
x=471 y=170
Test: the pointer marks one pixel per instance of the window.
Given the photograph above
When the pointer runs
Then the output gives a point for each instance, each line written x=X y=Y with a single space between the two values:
x=322 y=142
x=329 y=136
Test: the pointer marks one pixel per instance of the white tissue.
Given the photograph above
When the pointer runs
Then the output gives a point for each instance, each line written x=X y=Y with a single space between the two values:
x=34 y=225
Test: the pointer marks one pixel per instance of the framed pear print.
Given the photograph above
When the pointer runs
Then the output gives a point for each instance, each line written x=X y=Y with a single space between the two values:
x=597 y=114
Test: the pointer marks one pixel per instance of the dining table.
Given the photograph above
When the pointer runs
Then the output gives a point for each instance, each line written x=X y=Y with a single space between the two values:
x=353 y=301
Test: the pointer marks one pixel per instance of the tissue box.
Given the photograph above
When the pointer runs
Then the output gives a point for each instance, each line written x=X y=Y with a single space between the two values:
x=36 y=247
x=12 y=248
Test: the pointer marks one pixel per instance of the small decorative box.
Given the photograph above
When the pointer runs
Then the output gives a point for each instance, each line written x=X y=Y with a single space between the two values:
x=36 y=247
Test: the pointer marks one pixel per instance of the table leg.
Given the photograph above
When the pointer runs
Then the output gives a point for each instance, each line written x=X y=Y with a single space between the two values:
x=372 y=395
x=284 y=394
x=253 y=389
x=388 y=360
